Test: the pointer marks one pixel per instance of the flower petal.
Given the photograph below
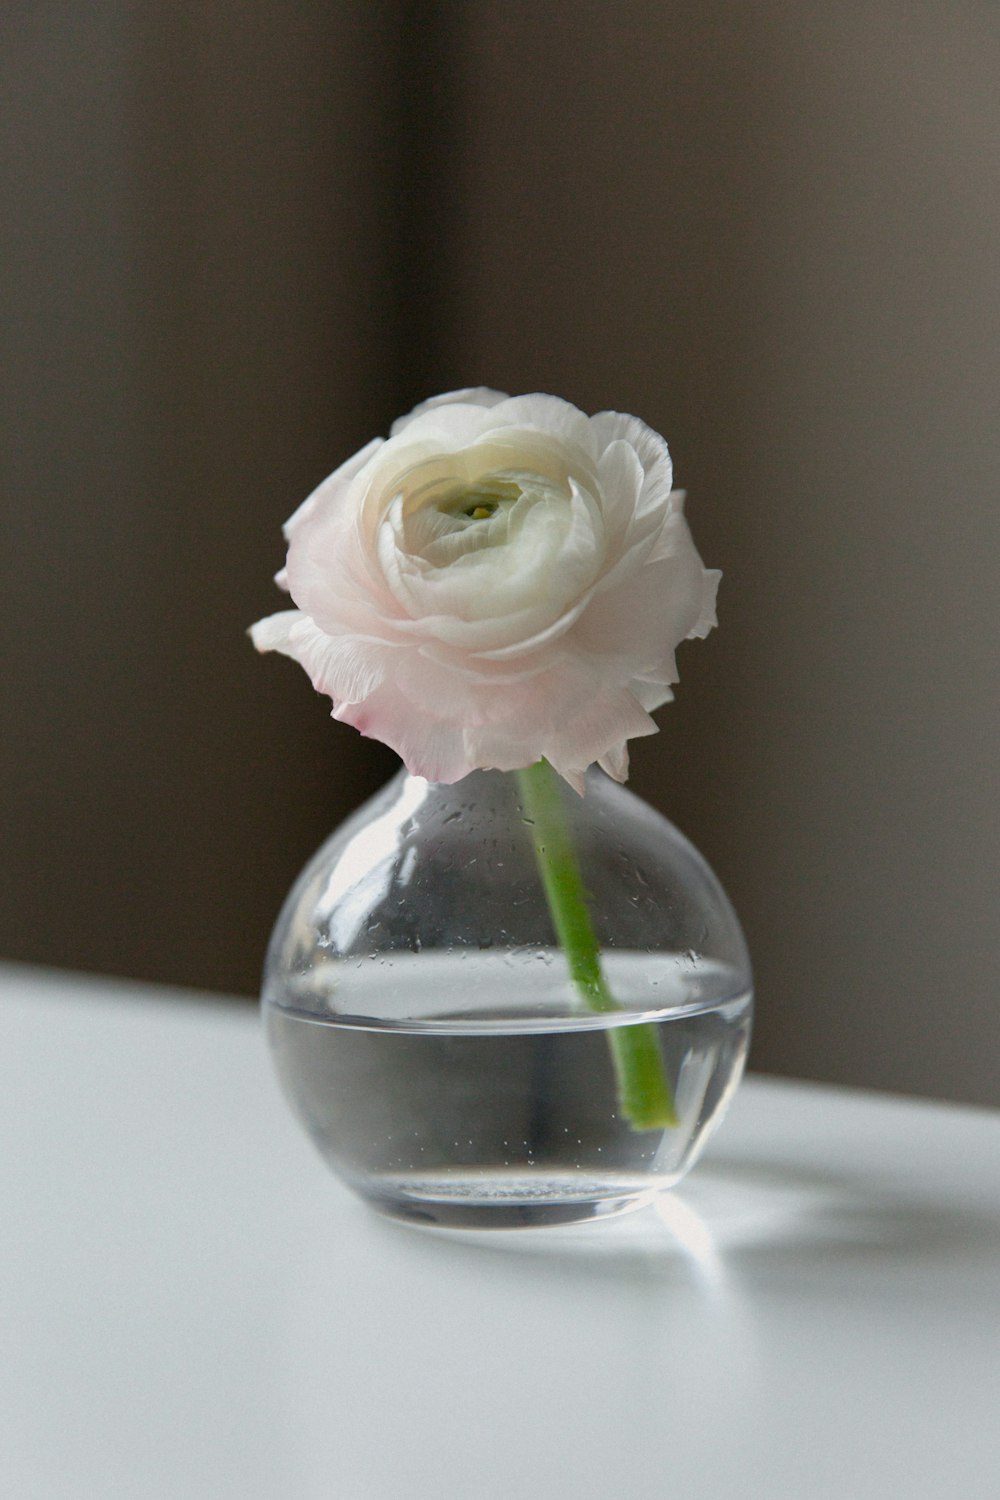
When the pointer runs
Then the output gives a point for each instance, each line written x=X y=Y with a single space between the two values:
x=615 y=763
x=613 y=426
x=642 y=617
x=473 y=395
x=347 y=668
x=559 y=420
x=427 y=746
x=334 y=482
x=599 y=730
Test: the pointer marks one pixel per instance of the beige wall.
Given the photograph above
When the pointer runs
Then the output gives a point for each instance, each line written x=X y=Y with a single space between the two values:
x=771 y=230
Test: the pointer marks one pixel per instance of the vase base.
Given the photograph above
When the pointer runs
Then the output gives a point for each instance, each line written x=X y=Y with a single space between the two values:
x=501 y=1202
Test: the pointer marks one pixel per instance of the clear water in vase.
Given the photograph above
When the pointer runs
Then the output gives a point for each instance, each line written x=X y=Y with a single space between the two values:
x=484 y=1096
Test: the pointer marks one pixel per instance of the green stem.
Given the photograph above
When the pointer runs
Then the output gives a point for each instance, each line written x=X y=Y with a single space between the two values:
x=643 y=1091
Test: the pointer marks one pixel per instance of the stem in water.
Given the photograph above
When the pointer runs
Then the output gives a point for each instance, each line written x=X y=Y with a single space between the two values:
x=643 y=1092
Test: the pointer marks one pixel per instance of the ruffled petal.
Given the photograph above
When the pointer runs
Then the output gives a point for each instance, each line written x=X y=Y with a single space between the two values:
x=597 y=731
x=427 y=746
x=641 y=617
x=652 y=695
x=559 y=420
x=708 y=619
x=473 y=395
x=332 y=484
x=346 y=668
x=615 y=763
x=653 y=453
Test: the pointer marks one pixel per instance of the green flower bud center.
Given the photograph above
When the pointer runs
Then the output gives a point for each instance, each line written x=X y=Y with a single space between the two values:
x=481 y=500
x=454 y=518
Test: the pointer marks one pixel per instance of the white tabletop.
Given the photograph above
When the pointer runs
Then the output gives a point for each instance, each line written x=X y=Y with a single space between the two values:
x=192 y=1306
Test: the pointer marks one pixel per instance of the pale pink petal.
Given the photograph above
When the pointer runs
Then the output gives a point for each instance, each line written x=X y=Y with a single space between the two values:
x=427 y=747
x=478 y=395
x=346 y=668
x=330 y=579
x=558 y=419
x=599 y=730
x=546 y=637
x=274 y=632
x=477 y=637
x=334 y=482
x=615 y=763
x=621 y=478
x=707 y=619
x=567 y=714
x=634 y=512
x=653 y=453
x=488 y=706
x=652 y=695
x=633 y=623
x=642 y=617
x=446 y=428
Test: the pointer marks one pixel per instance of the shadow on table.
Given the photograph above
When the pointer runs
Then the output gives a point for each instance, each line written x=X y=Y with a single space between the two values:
x=765 y=1222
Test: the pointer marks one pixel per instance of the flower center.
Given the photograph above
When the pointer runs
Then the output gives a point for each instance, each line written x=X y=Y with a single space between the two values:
x=478 y=501
x=504 y=519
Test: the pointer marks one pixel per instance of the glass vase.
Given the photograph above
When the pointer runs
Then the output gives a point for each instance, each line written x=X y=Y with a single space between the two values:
x=427 y=1030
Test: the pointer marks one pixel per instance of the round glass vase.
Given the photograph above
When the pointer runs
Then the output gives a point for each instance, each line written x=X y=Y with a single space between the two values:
x=427 y=1029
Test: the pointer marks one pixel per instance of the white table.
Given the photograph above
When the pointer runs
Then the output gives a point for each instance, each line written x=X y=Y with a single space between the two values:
x=193 y=1307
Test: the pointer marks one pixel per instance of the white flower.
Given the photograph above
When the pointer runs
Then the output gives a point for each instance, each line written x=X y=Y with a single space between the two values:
x=502 y=579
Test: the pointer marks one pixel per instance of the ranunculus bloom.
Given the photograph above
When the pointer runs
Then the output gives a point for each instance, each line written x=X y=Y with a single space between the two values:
x=502 y=579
